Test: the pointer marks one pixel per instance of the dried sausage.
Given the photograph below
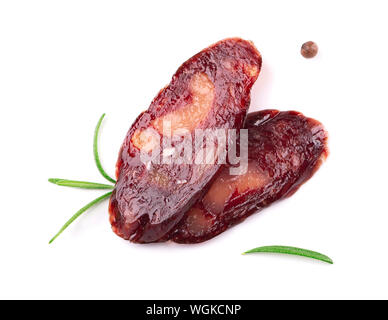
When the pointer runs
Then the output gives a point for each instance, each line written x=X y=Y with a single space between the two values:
x=209 y=91
x=284 y=151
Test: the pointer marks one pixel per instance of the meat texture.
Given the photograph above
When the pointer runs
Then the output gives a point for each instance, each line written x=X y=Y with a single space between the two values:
x=209 y=91
x=284 y=151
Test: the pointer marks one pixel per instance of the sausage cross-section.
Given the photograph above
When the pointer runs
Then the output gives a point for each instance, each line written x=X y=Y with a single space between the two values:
x=209 y=91
x=284 y=151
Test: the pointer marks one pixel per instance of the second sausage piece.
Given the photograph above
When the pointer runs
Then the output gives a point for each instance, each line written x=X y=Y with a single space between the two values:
x=285 y=149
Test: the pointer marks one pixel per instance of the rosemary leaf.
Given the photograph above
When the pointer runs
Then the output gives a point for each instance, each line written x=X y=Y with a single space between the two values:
x=293 y=251
x=80 y=184
x=79 y=212
x=95 y=152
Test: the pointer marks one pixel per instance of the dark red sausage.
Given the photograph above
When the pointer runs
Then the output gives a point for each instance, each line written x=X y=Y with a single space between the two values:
x=211 y=90
x=285 y=149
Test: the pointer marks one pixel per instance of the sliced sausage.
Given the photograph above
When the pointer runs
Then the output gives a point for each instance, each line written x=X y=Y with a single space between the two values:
x=209 y=91
x=284 y=151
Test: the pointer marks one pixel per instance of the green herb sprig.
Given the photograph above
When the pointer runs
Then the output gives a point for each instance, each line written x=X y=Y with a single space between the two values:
x=86 y=184
x=291 y=250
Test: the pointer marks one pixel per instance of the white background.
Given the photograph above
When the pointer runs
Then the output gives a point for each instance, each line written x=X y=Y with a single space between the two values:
x=64 y=63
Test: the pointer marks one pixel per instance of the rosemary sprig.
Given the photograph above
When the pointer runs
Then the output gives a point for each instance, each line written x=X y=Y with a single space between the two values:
x=79 y=212
x=95 y=152
x=80 y=184
x=85 y=184
x=293 y=251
